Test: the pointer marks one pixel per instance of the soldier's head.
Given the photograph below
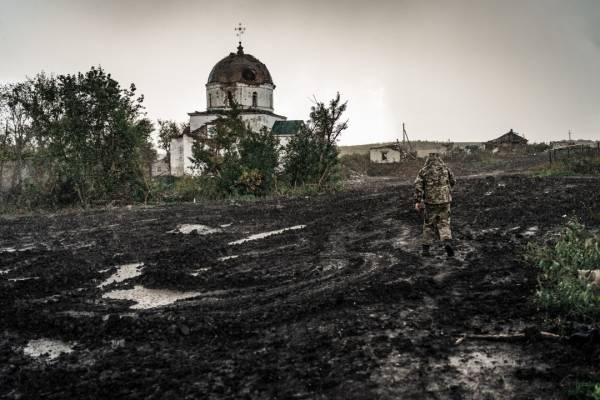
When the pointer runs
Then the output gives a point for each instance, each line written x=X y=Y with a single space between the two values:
x=433 y=156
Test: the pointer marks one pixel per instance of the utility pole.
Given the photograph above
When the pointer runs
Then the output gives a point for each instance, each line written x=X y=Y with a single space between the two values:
x=405 y=139
x=406 y=145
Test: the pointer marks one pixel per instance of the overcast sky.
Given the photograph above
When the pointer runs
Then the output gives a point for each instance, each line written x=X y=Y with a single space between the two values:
x=458 y=70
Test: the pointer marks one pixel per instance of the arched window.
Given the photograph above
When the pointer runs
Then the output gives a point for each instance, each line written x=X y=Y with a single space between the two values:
x=209 y=100
x=229 y=98
x=254 y=99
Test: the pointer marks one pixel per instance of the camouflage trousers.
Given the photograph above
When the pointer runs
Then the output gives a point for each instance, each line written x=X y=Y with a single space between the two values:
x=436 y=223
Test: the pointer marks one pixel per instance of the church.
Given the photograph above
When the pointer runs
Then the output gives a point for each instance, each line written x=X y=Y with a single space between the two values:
x=242 y=78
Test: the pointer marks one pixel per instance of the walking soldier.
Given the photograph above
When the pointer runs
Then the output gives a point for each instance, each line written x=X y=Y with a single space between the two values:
x=432 y=199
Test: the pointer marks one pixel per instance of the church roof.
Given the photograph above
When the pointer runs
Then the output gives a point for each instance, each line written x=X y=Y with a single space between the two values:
x=240 y=68
x=287 y=127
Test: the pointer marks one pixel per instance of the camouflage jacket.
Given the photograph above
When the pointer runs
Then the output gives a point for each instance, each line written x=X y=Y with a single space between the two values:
x=434 y=182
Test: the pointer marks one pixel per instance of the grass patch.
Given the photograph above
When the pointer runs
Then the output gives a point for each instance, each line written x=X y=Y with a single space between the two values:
x=584 y=391
x=559 y=287
x=570 y=166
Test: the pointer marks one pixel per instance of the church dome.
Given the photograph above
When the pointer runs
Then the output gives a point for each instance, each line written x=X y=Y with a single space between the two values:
x=240 y=68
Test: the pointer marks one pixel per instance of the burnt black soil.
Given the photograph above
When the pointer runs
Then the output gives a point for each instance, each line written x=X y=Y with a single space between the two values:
x=344 y=308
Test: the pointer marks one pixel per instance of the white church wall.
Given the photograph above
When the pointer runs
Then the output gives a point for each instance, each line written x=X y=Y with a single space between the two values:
x=284 y=139
x=216 y=96
x=257 y=121
x=181 y=152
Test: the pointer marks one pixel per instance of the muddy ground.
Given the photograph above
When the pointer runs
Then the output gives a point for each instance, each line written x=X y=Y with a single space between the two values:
x=340 y=307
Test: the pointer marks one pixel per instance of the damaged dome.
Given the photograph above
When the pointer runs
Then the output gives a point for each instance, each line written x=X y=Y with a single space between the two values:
x=240 y=68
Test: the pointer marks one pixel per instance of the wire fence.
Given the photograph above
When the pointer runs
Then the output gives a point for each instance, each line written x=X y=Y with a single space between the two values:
x=578 y=151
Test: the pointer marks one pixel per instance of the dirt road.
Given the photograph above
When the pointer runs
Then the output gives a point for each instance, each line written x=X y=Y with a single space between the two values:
x=321 y=298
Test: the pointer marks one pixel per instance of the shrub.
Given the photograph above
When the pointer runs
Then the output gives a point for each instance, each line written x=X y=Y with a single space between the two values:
x=559 y=287
x=571 y=166
x=183 y=189
x=311 y=156
x=584 y=391
x=354 y=164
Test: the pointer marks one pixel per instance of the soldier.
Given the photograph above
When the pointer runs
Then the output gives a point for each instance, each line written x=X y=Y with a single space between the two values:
x=432 y=200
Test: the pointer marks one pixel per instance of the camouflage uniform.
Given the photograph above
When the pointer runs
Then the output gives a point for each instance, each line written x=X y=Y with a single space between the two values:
x=432 y=186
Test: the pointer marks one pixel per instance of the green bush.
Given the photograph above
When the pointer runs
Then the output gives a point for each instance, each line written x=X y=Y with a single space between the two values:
x=560 y=289
x=183 y=189
x=352 y=164
x=584 y=391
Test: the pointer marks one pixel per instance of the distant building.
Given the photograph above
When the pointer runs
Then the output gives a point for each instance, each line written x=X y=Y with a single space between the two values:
x=423 y=153
x=386 y=154
x=160 y=166
x=579 y=142
x=239 y=78
x=510 y=141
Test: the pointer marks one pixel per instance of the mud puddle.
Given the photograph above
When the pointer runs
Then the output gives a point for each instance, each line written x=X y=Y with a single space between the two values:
x=47 y=348
x=124 y=272
x=198 y=229
x=145 y=298
x=263 y=235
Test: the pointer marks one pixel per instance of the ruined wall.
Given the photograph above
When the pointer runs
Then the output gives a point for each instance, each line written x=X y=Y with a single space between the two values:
x=255 y=121
x=181 y=152
x=384 y=156
x=216 y=96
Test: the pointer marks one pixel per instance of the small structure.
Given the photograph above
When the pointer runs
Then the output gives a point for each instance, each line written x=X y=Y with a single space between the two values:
x=181 y=153
x=508 y=142
x=385 y=154
x=160 y=166
x=284 y=131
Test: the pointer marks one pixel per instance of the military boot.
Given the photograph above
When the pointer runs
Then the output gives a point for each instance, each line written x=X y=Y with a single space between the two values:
x=425 y=252
x=448 y=248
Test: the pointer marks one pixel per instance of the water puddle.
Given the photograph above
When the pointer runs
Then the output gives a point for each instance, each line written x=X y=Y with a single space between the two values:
x=489 y=230
x=335 y=265
x=49 y=348
x=124 y=272
x=531 y=231
x=226 y=258
x=266 y=234
x=4 y=271
x=27 y=278
x=485 y=371
x=186 y=229
x=149 y=298
x=225 y=225
x=14 y=249
x=198 y=271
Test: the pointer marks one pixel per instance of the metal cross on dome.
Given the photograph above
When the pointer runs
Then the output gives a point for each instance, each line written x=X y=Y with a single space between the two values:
x=239 y=31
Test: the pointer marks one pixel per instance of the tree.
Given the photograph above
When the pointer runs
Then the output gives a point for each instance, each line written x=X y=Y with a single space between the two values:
x=259 y=157
x=93 y=131
x=17 y=136
x=311 y=156
x=167 y=130
x=242 y=161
